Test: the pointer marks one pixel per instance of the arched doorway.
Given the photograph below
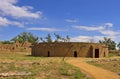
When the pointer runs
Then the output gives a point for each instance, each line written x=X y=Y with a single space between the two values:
x=104 y=54
x=96 y=53
x=75 y=53
x=48 y=53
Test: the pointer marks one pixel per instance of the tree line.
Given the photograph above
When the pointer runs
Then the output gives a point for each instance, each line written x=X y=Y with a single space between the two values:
x=30 y=37
x=111 y=44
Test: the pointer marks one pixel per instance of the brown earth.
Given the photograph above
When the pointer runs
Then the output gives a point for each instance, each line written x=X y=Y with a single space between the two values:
x=95 y=72
x=112 y=64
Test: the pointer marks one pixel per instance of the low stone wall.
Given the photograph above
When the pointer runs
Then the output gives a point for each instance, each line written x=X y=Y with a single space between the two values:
x=16 y=47
x=103 y=60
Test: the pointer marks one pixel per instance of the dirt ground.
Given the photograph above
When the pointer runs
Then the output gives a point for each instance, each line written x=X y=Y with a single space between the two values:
x=95 y=72
x=112 y=64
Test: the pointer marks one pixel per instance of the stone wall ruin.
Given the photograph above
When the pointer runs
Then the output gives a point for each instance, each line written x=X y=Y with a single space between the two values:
x=16 y=47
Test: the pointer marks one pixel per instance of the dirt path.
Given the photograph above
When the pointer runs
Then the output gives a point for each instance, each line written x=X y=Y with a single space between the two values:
x=95 y=72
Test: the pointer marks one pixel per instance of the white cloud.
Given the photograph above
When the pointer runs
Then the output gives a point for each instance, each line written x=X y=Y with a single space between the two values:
x=92 y=38
x=71 y=20
x=87 y=38
x=3 y=21
x=80 y=39
x=6 y=22
x=89 y=28
x=27 y=7
x=108 y=24
x=8 y=7
x=103 y=29
x=96 y=28
x=110 y=32
x=44 y=29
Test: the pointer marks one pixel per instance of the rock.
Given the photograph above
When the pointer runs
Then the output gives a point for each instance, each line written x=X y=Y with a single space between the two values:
x=35 y=63
x=119 y=73
x=7 y=74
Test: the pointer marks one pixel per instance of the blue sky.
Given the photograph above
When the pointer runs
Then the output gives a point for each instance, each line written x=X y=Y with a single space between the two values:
x=82 y=20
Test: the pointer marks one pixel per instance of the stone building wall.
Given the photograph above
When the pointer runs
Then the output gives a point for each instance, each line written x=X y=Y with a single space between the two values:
x=16 y=47
x=70 y=49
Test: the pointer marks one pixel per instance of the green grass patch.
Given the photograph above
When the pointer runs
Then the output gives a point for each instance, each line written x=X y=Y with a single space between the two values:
x=69 y=70
x=40 y=67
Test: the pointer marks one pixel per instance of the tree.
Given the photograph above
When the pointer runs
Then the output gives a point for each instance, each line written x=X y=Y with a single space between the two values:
x=67 y=38
x=42 y=39
x=118 y=45
x=61 y=39
x=24 y=36
x=7 y=42
x=58 y=37
x=48 y=38
x=111 y=44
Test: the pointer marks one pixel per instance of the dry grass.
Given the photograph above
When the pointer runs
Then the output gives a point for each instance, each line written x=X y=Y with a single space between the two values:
x=112 y=64
x=40 y=67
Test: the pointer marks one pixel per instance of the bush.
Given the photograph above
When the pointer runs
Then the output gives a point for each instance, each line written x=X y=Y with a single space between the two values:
x=114 y=53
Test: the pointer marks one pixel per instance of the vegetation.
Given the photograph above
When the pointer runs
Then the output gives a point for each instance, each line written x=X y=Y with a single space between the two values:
x=118 y=45
x=111 y=44
x=28 y=36
x=58 y=38
x=7 y=42
x=109 y=64
x=24 y=36
x=48 y=38
x=113 y=53
x=67 y=38
x=39 y=67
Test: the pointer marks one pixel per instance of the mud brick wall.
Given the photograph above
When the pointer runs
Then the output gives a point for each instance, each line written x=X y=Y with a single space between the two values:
x=15 y=47
x=70 y=49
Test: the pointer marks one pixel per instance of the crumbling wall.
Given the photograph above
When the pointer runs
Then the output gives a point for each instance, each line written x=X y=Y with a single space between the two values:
x=15 y=47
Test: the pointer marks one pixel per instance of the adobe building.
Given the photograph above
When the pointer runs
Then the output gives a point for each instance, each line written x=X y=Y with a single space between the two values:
x=70 y=49
x=15 y=47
